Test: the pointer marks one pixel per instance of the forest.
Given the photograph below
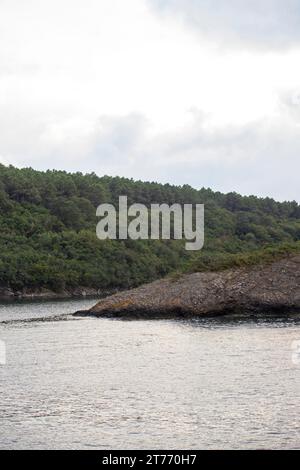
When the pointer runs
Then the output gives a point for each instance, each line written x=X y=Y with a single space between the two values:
x=48 y=237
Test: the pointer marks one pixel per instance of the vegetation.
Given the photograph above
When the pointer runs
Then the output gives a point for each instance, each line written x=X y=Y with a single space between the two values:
x=48 y=238
x=221 y=261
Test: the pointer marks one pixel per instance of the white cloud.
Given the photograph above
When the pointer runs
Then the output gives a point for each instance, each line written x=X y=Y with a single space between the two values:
x=112 y=87
x=261 y=157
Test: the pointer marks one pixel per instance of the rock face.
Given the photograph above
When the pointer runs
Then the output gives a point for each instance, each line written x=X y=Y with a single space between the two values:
x=269 y=287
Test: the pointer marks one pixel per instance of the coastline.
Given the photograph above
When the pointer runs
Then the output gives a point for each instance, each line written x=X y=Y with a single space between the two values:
x=261 y=288
x=10 y=295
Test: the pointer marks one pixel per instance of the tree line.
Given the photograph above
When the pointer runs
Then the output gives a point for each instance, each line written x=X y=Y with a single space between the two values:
x=48 y=220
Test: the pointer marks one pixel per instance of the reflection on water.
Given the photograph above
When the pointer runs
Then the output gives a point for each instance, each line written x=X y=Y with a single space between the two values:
x=86 y=382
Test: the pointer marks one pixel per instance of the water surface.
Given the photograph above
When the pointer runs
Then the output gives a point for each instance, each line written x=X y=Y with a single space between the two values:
x=100 y=383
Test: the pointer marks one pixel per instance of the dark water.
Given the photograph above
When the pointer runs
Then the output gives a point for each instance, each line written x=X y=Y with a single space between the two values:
x=99 y=383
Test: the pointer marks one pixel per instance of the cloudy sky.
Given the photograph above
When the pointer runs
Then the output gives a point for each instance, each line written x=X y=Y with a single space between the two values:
x=203 y=92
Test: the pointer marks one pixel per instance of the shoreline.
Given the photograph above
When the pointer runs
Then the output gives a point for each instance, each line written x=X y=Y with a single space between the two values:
x=260 y=288
x=8 y=295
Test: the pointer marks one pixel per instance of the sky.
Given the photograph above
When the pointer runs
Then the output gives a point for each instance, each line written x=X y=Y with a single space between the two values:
x=199 y=92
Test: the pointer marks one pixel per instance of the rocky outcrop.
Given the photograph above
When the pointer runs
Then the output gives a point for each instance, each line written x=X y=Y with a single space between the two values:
x=8 y=294
x=274 y=286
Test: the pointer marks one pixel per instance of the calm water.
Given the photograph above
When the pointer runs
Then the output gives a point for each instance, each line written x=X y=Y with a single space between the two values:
x=99 y=383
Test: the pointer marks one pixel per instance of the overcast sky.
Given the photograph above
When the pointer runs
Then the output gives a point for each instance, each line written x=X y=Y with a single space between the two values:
x=203 y=92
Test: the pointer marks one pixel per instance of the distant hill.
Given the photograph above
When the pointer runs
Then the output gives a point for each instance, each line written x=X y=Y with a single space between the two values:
x=48 y=239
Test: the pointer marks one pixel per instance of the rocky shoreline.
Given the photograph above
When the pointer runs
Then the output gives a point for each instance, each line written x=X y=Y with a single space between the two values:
x=7 y=294
x=261 y=288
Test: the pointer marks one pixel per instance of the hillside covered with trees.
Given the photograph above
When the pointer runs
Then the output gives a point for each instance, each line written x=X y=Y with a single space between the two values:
x=48 y=238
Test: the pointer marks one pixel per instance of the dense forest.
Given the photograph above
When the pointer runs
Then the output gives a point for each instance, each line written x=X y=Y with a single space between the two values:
x=48 y=237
